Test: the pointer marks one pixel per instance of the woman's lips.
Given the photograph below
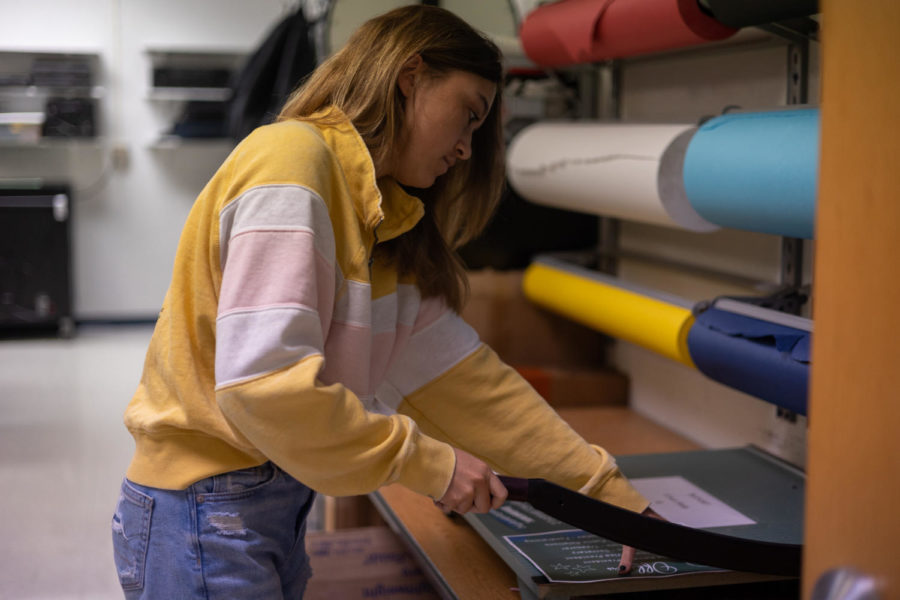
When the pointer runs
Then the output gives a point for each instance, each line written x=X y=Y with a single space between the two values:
x=448 y=162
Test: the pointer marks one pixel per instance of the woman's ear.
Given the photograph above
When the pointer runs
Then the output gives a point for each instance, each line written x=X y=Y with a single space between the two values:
x=410 y=74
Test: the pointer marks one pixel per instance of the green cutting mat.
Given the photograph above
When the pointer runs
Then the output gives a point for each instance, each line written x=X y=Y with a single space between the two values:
x=553 y=560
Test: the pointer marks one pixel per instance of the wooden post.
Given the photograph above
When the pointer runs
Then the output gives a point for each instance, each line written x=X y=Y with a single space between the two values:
x=853 y=493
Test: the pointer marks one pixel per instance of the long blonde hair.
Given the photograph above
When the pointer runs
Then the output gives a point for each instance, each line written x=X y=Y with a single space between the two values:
x=361 y=80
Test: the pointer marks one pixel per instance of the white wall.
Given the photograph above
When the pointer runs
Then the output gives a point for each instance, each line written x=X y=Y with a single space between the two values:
x=127 y=218
x=684 y=87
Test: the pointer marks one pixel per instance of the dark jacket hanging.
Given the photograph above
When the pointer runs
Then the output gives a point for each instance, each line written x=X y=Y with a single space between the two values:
x=270 y=74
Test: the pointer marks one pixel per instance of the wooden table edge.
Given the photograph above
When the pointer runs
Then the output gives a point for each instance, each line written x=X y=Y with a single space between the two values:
x=456 y=560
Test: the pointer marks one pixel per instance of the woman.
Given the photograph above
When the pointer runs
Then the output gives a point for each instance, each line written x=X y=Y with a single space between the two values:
x=310 y=338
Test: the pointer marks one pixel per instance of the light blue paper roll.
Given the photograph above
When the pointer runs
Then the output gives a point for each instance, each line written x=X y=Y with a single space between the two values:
x=756 y=171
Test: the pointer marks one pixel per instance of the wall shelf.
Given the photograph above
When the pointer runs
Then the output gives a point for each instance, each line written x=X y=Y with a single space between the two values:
x=35 y=91
x=177 y=77
x=190 y=93
x=63 y=87
x=174 y=142
x=57 y=143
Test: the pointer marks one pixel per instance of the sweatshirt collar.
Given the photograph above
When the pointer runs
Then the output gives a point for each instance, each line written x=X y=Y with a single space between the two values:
x=378 y=203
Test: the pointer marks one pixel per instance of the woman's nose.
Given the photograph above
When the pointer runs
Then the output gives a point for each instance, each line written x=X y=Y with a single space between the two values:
x=464 y=148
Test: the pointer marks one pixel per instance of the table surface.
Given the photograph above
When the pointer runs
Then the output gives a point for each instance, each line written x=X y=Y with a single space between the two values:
x=465 y=562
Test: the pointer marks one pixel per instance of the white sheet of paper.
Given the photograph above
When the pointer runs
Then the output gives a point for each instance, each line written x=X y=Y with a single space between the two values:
x=682 y=502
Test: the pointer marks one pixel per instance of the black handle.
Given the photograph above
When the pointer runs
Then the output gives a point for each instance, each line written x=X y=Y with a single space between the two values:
x=654 y=535
x=662 y=537
x=516 y=486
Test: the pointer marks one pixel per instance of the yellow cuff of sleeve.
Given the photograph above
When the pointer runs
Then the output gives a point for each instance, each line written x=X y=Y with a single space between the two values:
x=616 y=489
x=430 y=467
x=611 y=486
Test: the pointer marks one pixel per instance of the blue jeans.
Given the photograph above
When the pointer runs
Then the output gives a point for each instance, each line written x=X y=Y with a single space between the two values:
x=235 y=535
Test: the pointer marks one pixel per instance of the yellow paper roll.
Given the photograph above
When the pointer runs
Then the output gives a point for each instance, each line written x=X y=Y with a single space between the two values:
x=649 y=322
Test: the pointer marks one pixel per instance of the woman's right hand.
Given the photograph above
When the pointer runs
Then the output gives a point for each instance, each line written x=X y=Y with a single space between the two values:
x=474 y=487
x=628 y=552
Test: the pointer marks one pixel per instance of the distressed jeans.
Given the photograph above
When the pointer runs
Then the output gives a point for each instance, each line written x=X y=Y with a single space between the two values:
x=230 y=536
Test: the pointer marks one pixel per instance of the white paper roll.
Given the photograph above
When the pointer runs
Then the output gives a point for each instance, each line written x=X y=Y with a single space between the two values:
x=628 y=171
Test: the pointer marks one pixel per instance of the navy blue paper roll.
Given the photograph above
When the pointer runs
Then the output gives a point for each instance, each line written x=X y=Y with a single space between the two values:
x=763 y=359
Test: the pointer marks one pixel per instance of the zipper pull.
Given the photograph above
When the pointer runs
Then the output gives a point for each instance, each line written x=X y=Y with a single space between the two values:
x=374 y=243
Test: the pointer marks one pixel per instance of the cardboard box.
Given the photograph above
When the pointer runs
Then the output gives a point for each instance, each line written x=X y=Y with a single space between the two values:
x=363 y=563
x=522 y=333
x=563 y=387
x=563 y=360
x=350 y=512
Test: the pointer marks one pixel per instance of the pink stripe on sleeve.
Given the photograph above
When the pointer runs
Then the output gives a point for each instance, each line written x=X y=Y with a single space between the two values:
x=347 y=357
x=276 y=267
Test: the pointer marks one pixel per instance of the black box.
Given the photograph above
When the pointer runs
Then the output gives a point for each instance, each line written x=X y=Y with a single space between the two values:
x=69 y=117
x=35 y=260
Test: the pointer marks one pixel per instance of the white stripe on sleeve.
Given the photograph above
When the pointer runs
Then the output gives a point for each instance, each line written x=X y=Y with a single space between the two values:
x=246 y=346
x=433 y=351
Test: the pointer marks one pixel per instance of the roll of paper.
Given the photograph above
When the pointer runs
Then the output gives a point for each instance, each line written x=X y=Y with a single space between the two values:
x=764 y=359
x=656 y=322
x=579 y=31
x=746 y=13
x=756 y=171
x=631 y=172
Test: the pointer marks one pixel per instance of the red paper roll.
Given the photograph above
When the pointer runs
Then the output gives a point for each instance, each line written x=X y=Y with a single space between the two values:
x=579 y=31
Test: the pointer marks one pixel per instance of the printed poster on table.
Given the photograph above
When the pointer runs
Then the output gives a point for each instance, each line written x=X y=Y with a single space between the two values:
x=566 y=555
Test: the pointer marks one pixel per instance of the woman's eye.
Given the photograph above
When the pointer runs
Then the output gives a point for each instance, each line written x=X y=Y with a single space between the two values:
x=472 y=116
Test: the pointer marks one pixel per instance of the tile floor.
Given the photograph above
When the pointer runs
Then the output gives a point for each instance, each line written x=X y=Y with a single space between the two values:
x=63 y=452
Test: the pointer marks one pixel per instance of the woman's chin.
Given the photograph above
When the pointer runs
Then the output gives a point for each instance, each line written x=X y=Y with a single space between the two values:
x=421 y=182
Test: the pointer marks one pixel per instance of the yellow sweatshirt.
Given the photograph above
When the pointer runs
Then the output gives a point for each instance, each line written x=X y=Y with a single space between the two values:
x=279 y=340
